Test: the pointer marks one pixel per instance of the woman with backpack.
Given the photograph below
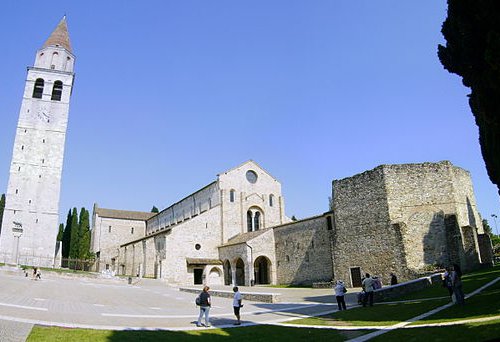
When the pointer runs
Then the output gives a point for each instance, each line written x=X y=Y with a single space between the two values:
x=204 y=302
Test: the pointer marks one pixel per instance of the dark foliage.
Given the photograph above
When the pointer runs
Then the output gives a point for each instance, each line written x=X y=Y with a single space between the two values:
x=472 y=51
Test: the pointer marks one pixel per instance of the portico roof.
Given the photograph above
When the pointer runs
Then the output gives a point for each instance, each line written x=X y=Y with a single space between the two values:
x=203 y=261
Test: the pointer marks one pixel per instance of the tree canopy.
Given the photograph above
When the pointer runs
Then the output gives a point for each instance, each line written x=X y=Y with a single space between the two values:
x=472 y=51
x=154 y=209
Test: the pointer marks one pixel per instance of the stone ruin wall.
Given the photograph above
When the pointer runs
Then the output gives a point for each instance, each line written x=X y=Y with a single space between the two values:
x=419 y=197
x=363 y=234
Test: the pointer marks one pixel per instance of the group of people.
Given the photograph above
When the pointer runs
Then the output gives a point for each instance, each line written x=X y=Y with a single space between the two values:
x=452 y=280
x=37 y=275
x=204 y=301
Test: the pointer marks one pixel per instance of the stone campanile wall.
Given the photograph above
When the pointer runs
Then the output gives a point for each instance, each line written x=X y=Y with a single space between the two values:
x=31 y=217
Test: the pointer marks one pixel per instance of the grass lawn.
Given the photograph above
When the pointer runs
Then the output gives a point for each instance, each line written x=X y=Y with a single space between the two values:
x=484 y=304
x=255 y=333
x=378 y=315
x=471 y=281
x=486 y=331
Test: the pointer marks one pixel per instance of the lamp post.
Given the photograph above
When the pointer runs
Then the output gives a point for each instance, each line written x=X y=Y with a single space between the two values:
x=495 y=219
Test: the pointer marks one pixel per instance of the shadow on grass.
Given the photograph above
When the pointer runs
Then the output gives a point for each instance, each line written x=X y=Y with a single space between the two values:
x=483 y=304
x=380 y=314
x=487 y=331
x=254 y=333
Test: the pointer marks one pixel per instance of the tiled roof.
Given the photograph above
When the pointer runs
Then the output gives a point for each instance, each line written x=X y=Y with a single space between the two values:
x=245 y=237
x=202 y=261
x=124 y=214
x=59 y=36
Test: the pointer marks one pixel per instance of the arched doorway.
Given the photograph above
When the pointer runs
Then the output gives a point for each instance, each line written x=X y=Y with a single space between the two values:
x=227 y=273
x=240 y=273
x=262 y=269
x=214 y=276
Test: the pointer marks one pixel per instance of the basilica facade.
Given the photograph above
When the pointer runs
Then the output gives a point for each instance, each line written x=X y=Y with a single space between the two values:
x=395 y=218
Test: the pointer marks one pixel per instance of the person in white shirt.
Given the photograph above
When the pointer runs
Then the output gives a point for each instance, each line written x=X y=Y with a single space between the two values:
x=237 y=304
x=368 y=287
x=340 y=291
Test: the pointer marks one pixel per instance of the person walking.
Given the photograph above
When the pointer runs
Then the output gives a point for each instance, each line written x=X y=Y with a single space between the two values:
x=205 y=304
x=237 y=304
x=368 y=287
x=340 y=291
x=456 y=283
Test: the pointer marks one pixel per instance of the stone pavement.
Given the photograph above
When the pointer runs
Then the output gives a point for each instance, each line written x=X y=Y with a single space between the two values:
x=12 y=331
x=145 y=304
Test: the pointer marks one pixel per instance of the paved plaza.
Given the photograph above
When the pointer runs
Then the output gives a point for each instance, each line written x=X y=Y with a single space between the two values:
x=101 y=303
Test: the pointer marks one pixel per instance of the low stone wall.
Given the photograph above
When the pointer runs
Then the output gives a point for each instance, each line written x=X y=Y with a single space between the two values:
x=323 y=285
x=255 y=297
x=398 y=290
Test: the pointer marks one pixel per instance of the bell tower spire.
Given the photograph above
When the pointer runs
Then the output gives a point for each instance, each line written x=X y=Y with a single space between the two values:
x=59 y=36
x=31 y=215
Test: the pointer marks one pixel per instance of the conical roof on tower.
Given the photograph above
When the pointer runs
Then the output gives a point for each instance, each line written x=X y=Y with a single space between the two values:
x=59 y=36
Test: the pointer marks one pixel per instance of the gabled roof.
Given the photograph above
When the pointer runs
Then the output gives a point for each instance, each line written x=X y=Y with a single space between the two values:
x=242 y=238
x=247 y=162
x=124 y=214
x=59 y=36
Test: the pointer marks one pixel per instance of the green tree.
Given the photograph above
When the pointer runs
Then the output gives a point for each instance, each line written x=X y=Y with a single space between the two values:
x=84 y=234
x=75 y=235
x=472 y=51
x=60 y=234
x=154 y=209
x=66 y=239
x=2 y=207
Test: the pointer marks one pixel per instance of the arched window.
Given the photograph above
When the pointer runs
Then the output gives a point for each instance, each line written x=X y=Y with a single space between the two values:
x=57 y=91
x=271 y=200
x=249 y=221
x=231 y=195
x=38 y=90
x=256 y=221
x=55 y=58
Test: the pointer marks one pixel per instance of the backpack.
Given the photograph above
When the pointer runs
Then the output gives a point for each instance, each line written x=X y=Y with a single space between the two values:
x=197 y=301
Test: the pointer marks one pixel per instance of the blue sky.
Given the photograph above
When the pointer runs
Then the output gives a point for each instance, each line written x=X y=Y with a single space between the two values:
x=170 y=93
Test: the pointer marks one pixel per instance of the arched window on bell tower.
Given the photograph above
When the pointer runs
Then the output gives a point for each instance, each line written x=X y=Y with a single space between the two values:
x=38 y=89
x=57 y=91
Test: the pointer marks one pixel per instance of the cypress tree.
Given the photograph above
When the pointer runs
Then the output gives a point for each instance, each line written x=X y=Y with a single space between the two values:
x=66 y=239
x=472 y=51
x=2 y=206
x=75 y=235
x=84 y=243
x=61 y=232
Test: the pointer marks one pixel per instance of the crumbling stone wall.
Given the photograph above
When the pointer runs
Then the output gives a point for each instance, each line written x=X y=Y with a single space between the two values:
x=364 y=236
x=403 y=218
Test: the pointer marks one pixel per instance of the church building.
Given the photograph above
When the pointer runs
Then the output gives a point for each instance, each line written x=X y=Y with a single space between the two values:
x=394 y=218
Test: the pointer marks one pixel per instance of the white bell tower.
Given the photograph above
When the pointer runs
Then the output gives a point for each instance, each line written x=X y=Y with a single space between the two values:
x=31 y=216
